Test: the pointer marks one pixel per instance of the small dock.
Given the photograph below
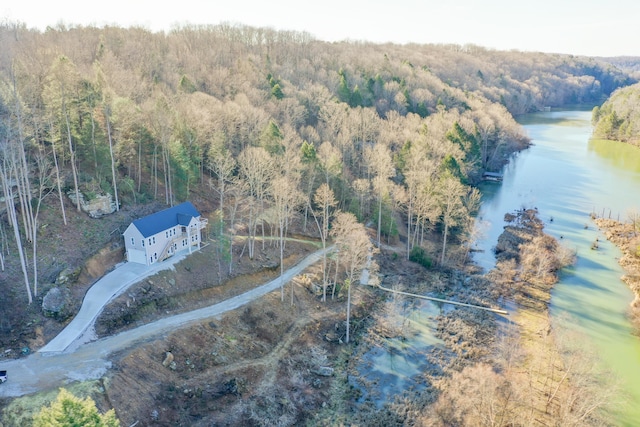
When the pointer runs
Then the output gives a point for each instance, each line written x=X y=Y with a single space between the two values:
x=492 y=176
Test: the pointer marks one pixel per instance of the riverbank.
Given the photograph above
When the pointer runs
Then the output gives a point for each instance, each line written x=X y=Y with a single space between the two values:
x=627 y=238
x=531 y=374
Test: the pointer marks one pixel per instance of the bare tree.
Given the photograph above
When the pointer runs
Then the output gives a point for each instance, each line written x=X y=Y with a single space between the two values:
x=330 y=160
x=62 y=80
x=6 y=173
x=161 y=121
x=44 y=177
x=58 y=179
x=326 y=201
x=634 y=218
x=457 y=203
x=379 y=162
x=286 y=199
x=222 y=164
x=354 y=248
x=256 y=169
x=421 y=205
x=114 y=177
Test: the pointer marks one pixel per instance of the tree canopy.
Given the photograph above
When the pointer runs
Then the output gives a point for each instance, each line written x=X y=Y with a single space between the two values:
x=71 y=411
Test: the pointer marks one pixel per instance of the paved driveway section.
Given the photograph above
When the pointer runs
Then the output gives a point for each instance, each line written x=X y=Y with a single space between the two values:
x=98 y=296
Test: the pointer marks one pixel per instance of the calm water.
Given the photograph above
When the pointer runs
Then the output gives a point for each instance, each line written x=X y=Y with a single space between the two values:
x=567 y=176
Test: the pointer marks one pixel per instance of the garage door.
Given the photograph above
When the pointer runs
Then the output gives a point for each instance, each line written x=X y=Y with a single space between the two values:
x=136 y=256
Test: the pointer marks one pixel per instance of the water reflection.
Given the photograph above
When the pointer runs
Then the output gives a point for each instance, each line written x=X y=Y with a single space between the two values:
x=621 y=156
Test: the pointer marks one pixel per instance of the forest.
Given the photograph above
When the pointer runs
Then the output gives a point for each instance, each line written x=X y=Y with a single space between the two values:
x=261 y=129
x=618 y=118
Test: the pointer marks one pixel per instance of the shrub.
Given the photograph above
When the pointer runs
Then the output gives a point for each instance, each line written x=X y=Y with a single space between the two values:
x=418 y=255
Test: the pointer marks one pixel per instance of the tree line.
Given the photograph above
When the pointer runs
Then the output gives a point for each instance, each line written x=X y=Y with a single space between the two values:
x=273 y=123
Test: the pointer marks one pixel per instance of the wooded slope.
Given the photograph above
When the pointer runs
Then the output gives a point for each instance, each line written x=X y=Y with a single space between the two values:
x=244 y=113
x=618 y=118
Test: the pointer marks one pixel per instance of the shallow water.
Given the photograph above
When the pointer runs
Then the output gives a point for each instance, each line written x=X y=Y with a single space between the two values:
x=395 y=364
x=567 y=176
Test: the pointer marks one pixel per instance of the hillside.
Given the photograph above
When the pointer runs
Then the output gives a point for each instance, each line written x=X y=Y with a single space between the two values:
x=618 y=118
x=627 y=63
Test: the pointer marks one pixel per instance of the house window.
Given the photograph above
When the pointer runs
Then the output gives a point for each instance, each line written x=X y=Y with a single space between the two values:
x=154 y=240
x=151 y=260
x=149 y=242
x=133 y=241
x=143 y=243
x=166 y=234
x=155 y=255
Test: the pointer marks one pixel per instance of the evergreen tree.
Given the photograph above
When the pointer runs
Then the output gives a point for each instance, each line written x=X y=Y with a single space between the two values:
x=276 y=91
x=356 y=98
x=271 y=138
x=344 y=93
x=71 y=411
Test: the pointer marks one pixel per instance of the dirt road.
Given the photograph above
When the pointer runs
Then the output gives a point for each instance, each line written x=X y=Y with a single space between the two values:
x=42 y=371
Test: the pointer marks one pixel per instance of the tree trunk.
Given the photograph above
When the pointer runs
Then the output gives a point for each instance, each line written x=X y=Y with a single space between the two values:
x=379 y=218
x=113 y=162
x=73 y=160
x=348 y=312
x=55 y=162
x=282 y=265
x=444 y=242
x=409 y=219
x=11 y=211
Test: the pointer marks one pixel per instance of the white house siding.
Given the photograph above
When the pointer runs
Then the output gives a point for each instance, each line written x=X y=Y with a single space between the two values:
x=136 y=252
x=193 y=234
x=155 y=245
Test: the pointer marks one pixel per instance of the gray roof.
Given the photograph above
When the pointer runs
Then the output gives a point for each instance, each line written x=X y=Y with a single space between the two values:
x=160 y=221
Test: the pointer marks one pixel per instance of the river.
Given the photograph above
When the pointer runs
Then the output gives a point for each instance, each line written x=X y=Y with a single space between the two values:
x=567 y=176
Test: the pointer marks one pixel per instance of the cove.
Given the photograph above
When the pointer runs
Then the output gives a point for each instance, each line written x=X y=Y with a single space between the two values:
x=567 y=176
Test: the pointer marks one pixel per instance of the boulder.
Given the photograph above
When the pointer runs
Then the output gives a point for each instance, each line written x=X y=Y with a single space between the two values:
x=68 y=275
x=98 y=205
x=57 y=303
x=324 y=371
x=168 y=359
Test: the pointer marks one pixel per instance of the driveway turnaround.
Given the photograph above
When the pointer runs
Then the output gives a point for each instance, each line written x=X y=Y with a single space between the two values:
x=88 y=361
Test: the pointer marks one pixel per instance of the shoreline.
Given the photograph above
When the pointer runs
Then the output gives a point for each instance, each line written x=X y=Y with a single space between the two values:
x=625 y=238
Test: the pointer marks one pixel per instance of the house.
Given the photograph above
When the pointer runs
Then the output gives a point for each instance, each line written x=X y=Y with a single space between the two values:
x=160 y=235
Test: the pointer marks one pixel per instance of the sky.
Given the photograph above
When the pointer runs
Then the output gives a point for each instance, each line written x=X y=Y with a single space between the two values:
x=579 y=27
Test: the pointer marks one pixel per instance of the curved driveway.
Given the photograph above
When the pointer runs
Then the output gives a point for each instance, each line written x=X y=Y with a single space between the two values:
x=64 y=360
